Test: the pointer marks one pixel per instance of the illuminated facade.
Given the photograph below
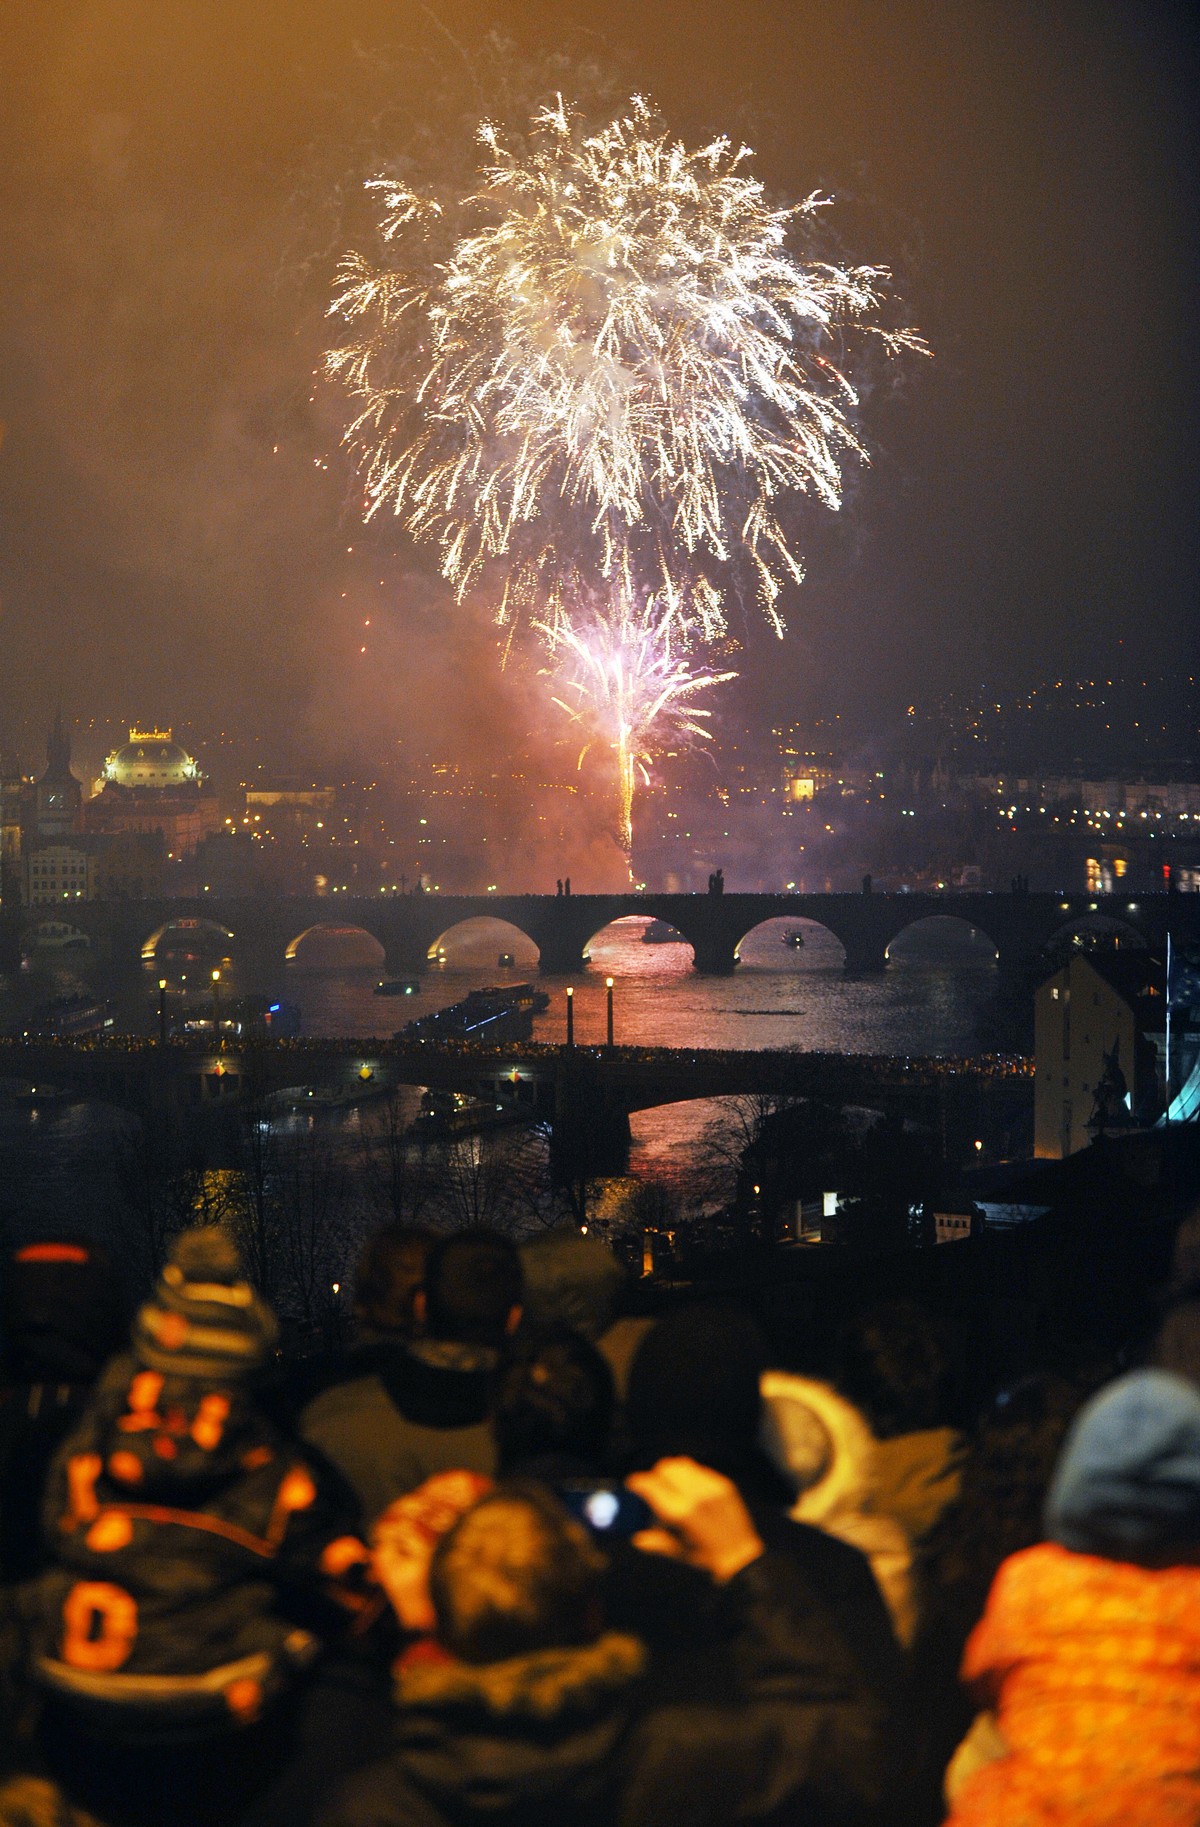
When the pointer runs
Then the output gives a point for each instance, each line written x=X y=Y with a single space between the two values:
x=60 y=872
x=12 y=804
x=151 y=784
x=1098 y=1008
x=150 y=759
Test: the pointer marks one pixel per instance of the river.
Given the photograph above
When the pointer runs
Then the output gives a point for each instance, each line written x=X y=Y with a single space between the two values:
x=56 y=1162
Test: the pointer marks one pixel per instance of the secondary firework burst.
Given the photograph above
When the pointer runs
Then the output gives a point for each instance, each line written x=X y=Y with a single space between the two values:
x=625 y=678
x=606 y=362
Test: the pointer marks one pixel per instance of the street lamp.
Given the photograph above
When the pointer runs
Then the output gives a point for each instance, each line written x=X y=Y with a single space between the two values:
x=570 y=1018
x=216 y=983
x=162 y=1011
x=608 y=984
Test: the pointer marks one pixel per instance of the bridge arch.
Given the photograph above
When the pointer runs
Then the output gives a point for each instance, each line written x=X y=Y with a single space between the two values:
x=1098 y=931
x=55 y=935
x=481 y=942
x=206 y=936
x=639 y=945
x=334 y=945
x=942 y=939
x=790 y=942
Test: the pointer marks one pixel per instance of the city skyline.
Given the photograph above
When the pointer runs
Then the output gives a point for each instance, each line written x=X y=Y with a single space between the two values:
x=175 y=525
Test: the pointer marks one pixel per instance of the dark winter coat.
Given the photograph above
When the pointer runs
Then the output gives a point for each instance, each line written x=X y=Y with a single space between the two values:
x=771 y=1724
x=195 y=1555
x=423 y=1409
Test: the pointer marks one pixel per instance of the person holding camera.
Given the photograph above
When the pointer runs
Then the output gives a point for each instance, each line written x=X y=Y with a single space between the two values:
x=519 y=1701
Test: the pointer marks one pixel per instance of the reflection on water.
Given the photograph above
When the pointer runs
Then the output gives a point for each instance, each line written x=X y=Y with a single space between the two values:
x=55 y=1163
x=779 y=996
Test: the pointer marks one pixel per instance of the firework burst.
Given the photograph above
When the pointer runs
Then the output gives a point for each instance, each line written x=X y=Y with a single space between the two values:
x=605 y=362
x=625 y=678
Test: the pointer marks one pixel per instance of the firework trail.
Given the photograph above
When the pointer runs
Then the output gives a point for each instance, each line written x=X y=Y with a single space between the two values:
x=626 y=679
x=605 y=362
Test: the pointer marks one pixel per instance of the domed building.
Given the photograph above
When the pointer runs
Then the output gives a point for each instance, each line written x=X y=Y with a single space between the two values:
x=151 y=784
x=150 y=759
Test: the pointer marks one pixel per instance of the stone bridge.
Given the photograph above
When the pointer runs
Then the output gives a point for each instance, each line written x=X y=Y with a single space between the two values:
x=410 y=927
x=584 y=1094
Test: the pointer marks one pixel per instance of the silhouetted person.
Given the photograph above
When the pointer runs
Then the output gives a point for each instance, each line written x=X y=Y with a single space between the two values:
x=576 y=1281
x=553 y=1406
x=891 y=1365
x=198 y=1558
x=695 y=1389
x=425 y=1405
x=528 y=1709
x=63 y=1318
x=390 y=1275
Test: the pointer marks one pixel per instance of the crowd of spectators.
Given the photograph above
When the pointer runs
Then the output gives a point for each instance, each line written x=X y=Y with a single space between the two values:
x=520 y=1557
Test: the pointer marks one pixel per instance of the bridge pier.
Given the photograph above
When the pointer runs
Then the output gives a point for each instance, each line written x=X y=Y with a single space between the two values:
x=863 y=960
x=561 y=953
x=715 y=955
x=589 y=1137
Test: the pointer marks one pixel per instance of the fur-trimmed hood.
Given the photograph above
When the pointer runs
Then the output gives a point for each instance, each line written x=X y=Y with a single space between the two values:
x=824 y=1447
x=529 y=1738
x=543 y=1685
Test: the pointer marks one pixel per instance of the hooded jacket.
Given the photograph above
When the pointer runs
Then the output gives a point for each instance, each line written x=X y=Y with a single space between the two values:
x=184 y=1530
x=576 y=1281
x=1093 y=1669
x=1089 y=1650
x=771 y=1723
x=423 y=1409
x=916 y=1476
x=824 y=1447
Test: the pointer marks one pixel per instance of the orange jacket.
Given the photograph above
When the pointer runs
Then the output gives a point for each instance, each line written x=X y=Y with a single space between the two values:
x=1093 y=1668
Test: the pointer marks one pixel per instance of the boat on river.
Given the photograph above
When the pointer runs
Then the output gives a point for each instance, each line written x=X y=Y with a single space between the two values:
x=72 y=1015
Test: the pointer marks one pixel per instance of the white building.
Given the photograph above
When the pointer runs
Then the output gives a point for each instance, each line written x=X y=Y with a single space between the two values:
x=58 y=873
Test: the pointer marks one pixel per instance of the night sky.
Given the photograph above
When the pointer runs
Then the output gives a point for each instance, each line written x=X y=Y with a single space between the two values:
x=174 y=512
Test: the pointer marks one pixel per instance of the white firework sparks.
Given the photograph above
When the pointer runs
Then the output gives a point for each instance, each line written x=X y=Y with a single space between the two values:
x=618 y=370
x=625 y=678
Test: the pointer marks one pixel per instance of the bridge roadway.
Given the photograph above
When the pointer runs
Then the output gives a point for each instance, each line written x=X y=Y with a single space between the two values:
x=410 y=927
x=128 y=1070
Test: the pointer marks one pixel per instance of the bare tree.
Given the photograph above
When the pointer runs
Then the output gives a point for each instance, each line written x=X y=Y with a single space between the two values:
x=398 y=1164
x=500 y=1179
x=722 y=1149
x=165 y=1182
x=254 y=1216
x=310 y=1230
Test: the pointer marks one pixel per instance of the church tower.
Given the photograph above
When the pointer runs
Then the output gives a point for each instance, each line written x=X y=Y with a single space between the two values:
x=59 y=794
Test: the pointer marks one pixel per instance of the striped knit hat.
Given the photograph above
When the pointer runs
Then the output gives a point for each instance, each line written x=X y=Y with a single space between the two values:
x=203 y=1319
